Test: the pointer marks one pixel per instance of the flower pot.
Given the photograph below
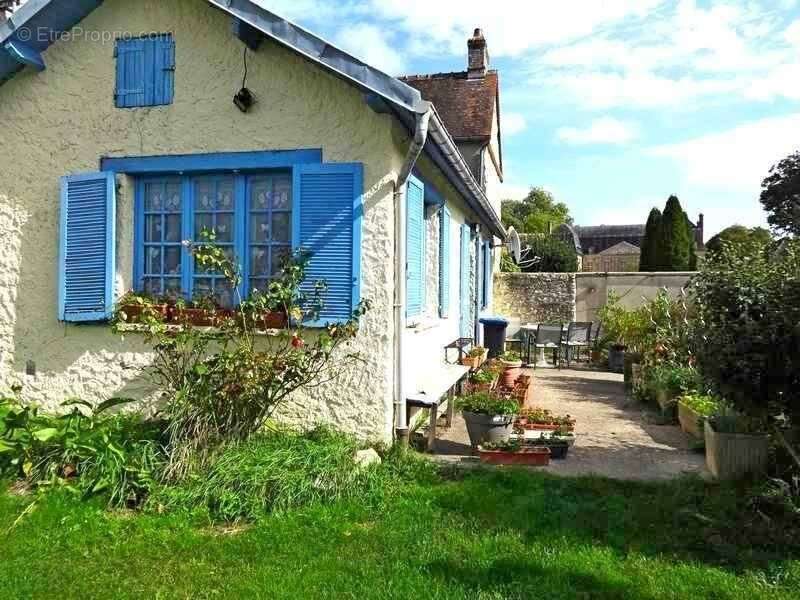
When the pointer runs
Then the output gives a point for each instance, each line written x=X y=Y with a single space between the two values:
x=735 y=455
x=511 y=373
x=474 y=362
x=199 y=317
x=271 y=320
x=558 y=450
x=488 y=428
x=526 y=457
x=691 y=422
x=596 y=356
x=630 y=360
x=668 y=403
x=135 y=313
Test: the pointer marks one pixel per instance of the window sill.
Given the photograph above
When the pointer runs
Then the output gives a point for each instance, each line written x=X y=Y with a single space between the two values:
x=137 y=328
x=423 y=325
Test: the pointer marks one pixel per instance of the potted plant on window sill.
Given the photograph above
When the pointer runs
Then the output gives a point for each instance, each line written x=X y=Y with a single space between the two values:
x=512 y=368
x=202 y=312
x=514 y=453
x=476 y=357
x=136 y=308
x=489 y=417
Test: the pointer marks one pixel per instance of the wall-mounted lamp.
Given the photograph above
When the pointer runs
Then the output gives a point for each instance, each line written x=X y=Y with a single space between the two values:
x=244 y=98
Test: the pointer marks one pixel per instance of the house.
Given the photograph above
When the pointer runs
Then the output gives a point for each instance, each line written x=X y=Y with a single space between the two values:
x=122 y=139
x=621 y=258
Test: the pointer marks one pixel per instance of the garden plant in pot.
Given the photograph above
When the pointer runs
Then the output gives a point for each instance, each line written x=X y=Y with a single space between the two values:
x=482 y=381
x=514 y=453
x=135 y=308
x=694 y=410
x=512 y=368
x=489 y=417
x=559 y=443
x=736 y=446
x=664 y=383
x=475 y=358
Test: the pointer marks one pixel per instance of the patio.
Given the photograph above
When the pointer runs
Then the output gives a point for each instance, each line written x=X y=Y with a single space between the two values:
x=616 y=437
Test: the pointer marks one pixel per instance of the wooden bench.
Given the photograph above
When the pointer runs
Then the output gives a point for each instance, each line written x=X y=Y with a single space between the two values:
x=438 y=387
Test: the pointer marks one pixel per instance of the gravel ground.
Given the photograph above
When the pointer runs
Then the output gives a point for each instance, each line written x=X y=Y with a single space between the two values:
x=615 y=437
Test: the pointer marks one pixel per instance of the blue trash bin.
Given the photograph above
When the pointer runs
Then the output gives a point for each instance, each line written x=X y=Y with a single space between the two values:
x=494 y=335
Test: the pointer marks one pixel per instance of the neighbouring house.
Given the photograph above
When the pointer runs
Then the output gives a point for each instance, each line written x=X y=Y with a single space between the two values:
x=621 y=258
x=122 y=140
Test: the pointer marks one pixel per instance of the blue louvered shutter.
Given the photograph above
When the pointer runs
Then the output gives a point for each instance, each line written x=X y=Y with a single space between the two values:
x=86 y=247
x=465 y=303
x=444 y=264
x=415 y=247
x=145 y=71
x=328 y=214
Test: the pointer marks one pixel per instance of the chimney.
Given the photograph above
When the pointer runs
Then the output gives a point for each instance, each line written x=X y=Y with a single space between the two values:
x=700 y=232
x=478 y=62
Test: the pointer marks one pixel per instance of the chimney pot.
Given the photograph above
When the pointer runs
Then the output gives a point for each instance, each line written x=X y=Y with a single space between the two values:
x=478 y=55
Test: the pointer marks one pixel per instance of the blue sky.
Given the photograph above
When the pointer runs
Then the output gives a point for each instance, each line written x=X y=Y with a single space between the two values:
x=611 y=105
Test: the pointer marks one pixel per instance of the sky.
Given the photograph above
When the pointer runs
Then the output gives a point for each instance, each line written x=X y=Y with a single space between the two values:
x=611 y=105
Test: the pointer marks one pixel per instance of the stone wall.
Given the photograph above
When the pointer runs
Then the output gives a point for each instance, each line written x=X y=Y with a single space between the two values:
x=535 y=297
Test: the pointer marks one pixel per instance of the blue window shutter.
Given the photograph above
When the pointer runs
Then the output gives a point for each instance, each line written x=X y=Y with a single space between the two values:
x=327 y=217
x=415 y=247
x=87 y=259
x=444 y=264
x=464 y=291
x=145 y=71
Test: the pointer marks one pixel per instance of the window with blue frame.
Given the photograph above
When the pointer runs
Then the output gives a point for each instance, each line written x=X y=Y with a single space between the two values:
x=254 y=228
x=145 y=71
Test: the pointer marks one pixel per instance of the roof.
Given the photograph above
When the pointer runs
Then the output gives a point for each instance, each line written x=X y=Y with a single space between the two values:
x=466 y=105
x=622 y=248
x=380 y=89
x=613 y=231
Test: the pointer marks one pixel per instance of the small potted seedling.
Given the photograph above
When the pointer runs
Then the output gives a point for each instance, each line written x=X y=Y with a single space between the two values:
x=482 y=381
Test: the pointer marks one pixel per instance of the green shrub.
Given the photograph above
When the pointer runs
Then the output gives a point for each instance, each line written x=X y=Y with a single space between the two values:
x=486 y=403
x=675 y=380
x=116 y=456
x=553 y=256
x=703 y=404
x=280 y=471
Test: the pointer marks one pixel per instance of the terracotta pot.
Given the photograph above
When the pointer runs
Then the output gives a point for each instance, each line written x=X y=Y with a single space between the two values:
x=199 y=317
x=735 y=455
x=135 y=312
x=272 y=320
x=526 y=457
x=546 y=427
x=511 y=373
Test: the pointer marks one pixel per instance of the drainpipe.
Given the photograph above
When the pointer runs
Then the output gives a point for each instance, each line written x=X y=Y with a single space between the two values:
x=478 y=288
x=414 y=152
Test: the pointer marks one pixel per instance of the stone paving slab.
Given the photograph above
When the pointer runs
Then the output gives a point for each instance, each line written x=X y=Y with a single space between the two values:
x=616 y=436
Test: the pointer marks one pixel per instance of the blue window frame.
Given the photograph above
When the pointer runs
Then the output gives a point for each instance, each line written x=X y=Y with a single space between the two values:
x=145 y=71
x=249 y=215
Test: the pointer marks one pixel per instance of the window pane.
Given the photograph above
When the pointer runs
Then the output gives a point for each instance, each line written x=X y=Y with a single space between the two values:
x=202 y=221
x=261 y=285
x=260 y=194
x=203 y=288
x=223 y=293
x=172 y=260
x=153 y=197
x=282 y=193
x=153 y=261
x=224 y=228
x=259 y=226
x=152 y=285
x=152 y=228
x=259 y=262
x=173 y=228
x=204 y=195
x=173 y=197
x=172 y=288
x=279 y=256
x=281 y=227
x=225 y=194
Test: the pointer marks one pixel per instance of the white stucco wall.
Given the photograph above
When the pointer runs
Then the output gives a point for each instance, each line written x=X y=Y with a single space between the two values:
x=63 y=120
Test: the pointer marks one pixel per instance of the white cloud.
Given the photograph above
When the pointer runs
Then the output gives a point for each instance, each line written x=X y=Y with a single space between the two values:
x=372 y=45
x=513 y=123
x=792 y=33
x=738 y=159
x=601 y=131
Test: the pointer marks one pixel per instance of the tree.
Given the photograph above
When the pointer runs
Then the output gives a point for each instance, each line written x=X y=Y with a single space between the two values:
x=780 y=195
x=536 y=213
x=738 y=234
x=554 y=256
x=650 y=243
x=676 y=240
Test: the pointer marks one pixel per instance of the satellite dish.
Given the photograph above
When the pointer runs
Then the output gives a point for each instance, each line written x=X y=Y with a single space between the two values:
x=514 y=245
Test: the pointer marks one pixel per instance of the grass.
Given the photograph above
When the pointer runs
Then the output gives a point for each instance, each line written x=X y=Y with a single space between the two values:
x=483 y=535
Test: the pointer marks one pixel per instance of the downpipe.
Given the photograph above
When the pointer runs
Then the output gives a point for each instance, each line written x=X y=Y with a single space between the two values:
x=414 y=152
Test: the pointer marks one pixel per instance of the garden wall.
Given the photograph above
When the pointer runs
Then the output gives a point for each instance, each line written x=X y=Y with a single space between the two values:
x=563 y=297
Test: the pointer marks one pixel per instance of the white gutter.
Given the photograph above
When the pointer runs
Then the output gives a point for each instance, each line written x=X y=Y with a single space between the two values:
x=414 y=152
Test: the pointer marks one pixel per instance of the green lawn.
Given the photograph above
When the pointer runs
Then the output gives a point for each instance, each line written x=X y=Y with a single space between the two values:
x=485 y=535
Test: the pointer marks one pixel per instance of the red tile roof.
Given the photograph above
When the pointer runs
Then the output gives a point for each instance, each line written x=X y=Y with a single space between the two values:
x=467 y=106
